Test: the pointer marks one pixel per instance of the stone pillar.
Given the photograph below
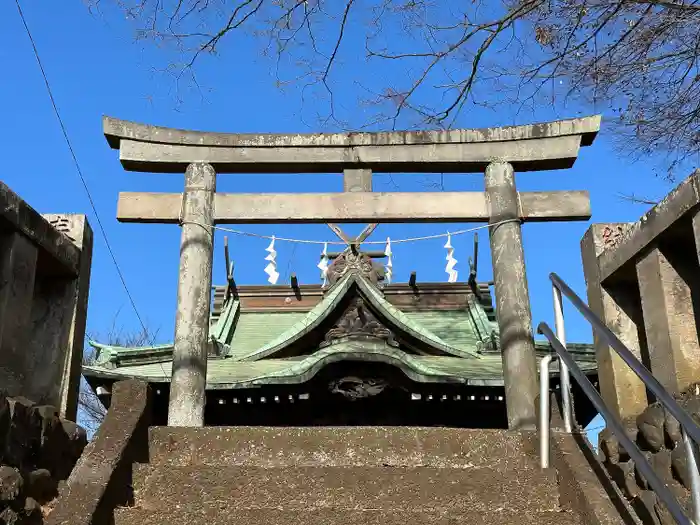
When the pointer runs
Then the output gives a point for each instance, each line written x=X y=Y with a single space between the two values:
x=669 y=319
x=189 y=374
x=59 y=314
x=512 y=299
x=357 y=180
x=621 y=389
x=18 y=258
x=696 y=232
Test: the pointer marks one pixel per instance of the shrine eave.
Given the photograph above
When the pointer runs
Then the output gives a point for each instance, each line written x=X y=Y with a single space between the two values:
x=227 y=374
x=541 y=146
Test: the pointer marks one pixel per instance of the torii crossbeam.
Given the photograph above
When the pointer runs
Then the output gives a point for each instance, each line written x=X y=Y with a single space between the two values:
x=496 y=152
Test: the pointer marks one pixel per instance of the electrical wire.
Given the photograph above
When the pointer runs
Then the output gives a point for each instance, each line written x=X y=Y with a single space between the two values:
x=77 y=167
x=312 y=241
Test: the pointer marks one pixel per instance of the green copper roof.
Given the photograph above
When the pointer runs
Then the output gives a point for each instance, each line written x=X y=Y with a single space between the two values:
x=257 y=348
x=227 y=373
x=392 y=317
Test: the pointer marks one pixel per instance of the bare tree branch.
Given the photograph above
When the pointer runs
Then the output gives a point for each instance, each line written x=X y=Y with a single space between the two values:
x=635 y=59
x=92 y=408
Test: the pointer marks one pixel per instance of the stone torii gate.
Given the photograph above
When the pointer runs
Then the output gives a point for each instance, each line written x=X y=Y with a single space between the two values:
x=496 y=152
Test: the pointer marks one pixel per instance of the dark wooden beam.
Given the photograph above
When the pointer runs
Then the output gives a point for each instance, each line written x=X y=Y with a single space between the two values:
x=371 y=254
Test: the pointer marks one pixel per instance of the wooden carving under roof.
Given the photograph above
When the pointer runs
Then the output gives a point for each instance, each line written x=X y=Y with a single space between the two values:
x=358 y=322
x=355 y=261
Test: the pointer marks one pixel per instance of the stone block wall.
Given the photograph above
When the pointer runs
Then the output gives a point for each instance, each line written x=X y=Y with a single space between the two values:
x=658 y=435
x=38 y=450
x=643 y=282
x=45 y=263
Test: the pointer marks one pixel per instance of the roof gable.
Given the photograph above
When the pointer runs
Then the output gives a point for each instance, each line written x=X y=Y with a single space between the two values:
x=328 y=315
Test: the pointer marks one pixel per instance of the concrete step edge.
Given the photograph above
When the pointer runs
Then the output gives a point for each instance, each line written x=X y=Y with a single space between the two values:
x=347 y=487
x=283 y=446
x=221 y=516
x=143 y=473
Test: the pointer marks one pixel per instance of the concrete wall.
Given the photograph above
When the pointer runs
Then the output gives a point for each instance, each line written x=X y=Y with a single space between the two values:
x=643 y=280
x=44 y=279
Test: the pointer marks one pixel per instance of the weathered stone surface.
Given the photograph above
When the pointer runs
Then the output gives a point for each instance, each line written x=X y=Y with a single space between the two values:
x=253 y=208
x=679 y=464
x=189 y=372
x=54 y=443
x=4 y=425
x=18 y=268
x=583 y=486
x=661 y=463
x=692 y=406
x=337 y=446
x=31 y=513
x=652 y=225
x=72 y=440
x=24 y=437
x=547 y=146
x=215 y=515
x=609 y=447
x=512 y=297
x=11 y=484
x=59 y=313
x=41 y=485
x=54 y=245
x=623 y=474
x=651 y=427
x=661 y=510
x=641 y=480
x=348 y=488
x=100 y=480
x=623 y=392
x=116 y=130
x=9 y=516
x=45 y=269
x=665 y=284
x=30 y=431
x=644 y=504
x=673 y=430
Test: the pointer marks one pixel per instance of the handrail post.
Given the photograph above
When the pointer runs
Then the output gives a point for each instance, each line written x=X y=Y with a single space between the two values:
x=564 y=377
x=544 y=411
x=692 y=454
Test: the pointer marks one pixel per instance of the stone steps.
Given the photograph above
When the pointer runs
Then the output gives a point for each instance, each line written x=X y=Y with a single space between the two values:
x=339 y=446
x=218 y=515
x=392 y=489
x=342 y=476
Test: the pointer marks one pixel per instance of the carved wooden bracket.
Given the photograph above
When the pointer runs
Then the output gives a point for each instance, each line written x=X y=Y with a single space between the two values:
x=358 y=322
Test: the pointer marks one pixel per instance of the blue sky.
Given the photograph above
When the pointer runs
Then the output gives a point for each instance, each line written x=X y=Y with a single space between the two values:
x=96 y=69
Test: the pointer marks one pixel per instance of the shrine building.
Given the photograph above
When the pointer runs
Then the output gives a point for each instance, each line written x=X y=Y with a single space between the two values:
x=356 y=352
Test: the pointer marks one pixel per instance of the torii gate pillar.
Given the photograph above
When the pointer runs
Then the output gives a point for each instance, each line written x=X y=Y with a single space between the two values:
x=189 y=374
x=512 y=298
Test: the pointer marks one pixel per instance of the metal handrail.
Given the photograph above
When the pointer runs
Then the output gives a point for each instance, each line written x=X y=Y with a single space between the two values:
x=629 y=358
x=691 y=431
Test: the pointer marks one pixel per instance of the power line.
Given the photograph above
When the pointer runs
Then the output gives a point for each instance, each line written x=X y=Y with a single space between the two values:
x=77 y=167
x=313 y=241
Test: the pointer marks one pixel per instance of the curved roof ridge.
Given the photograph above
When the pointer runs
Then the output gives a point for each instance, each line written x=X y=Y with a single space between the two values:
x=222 y=331
x=312 y=319
x=113 y=356
x=398 y=317
x=301 y=371
x=324 y=308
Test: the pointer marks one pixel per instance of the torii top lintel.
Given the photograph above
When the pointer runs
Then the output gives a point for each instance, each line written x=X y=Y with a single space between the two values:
x=543 y=146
